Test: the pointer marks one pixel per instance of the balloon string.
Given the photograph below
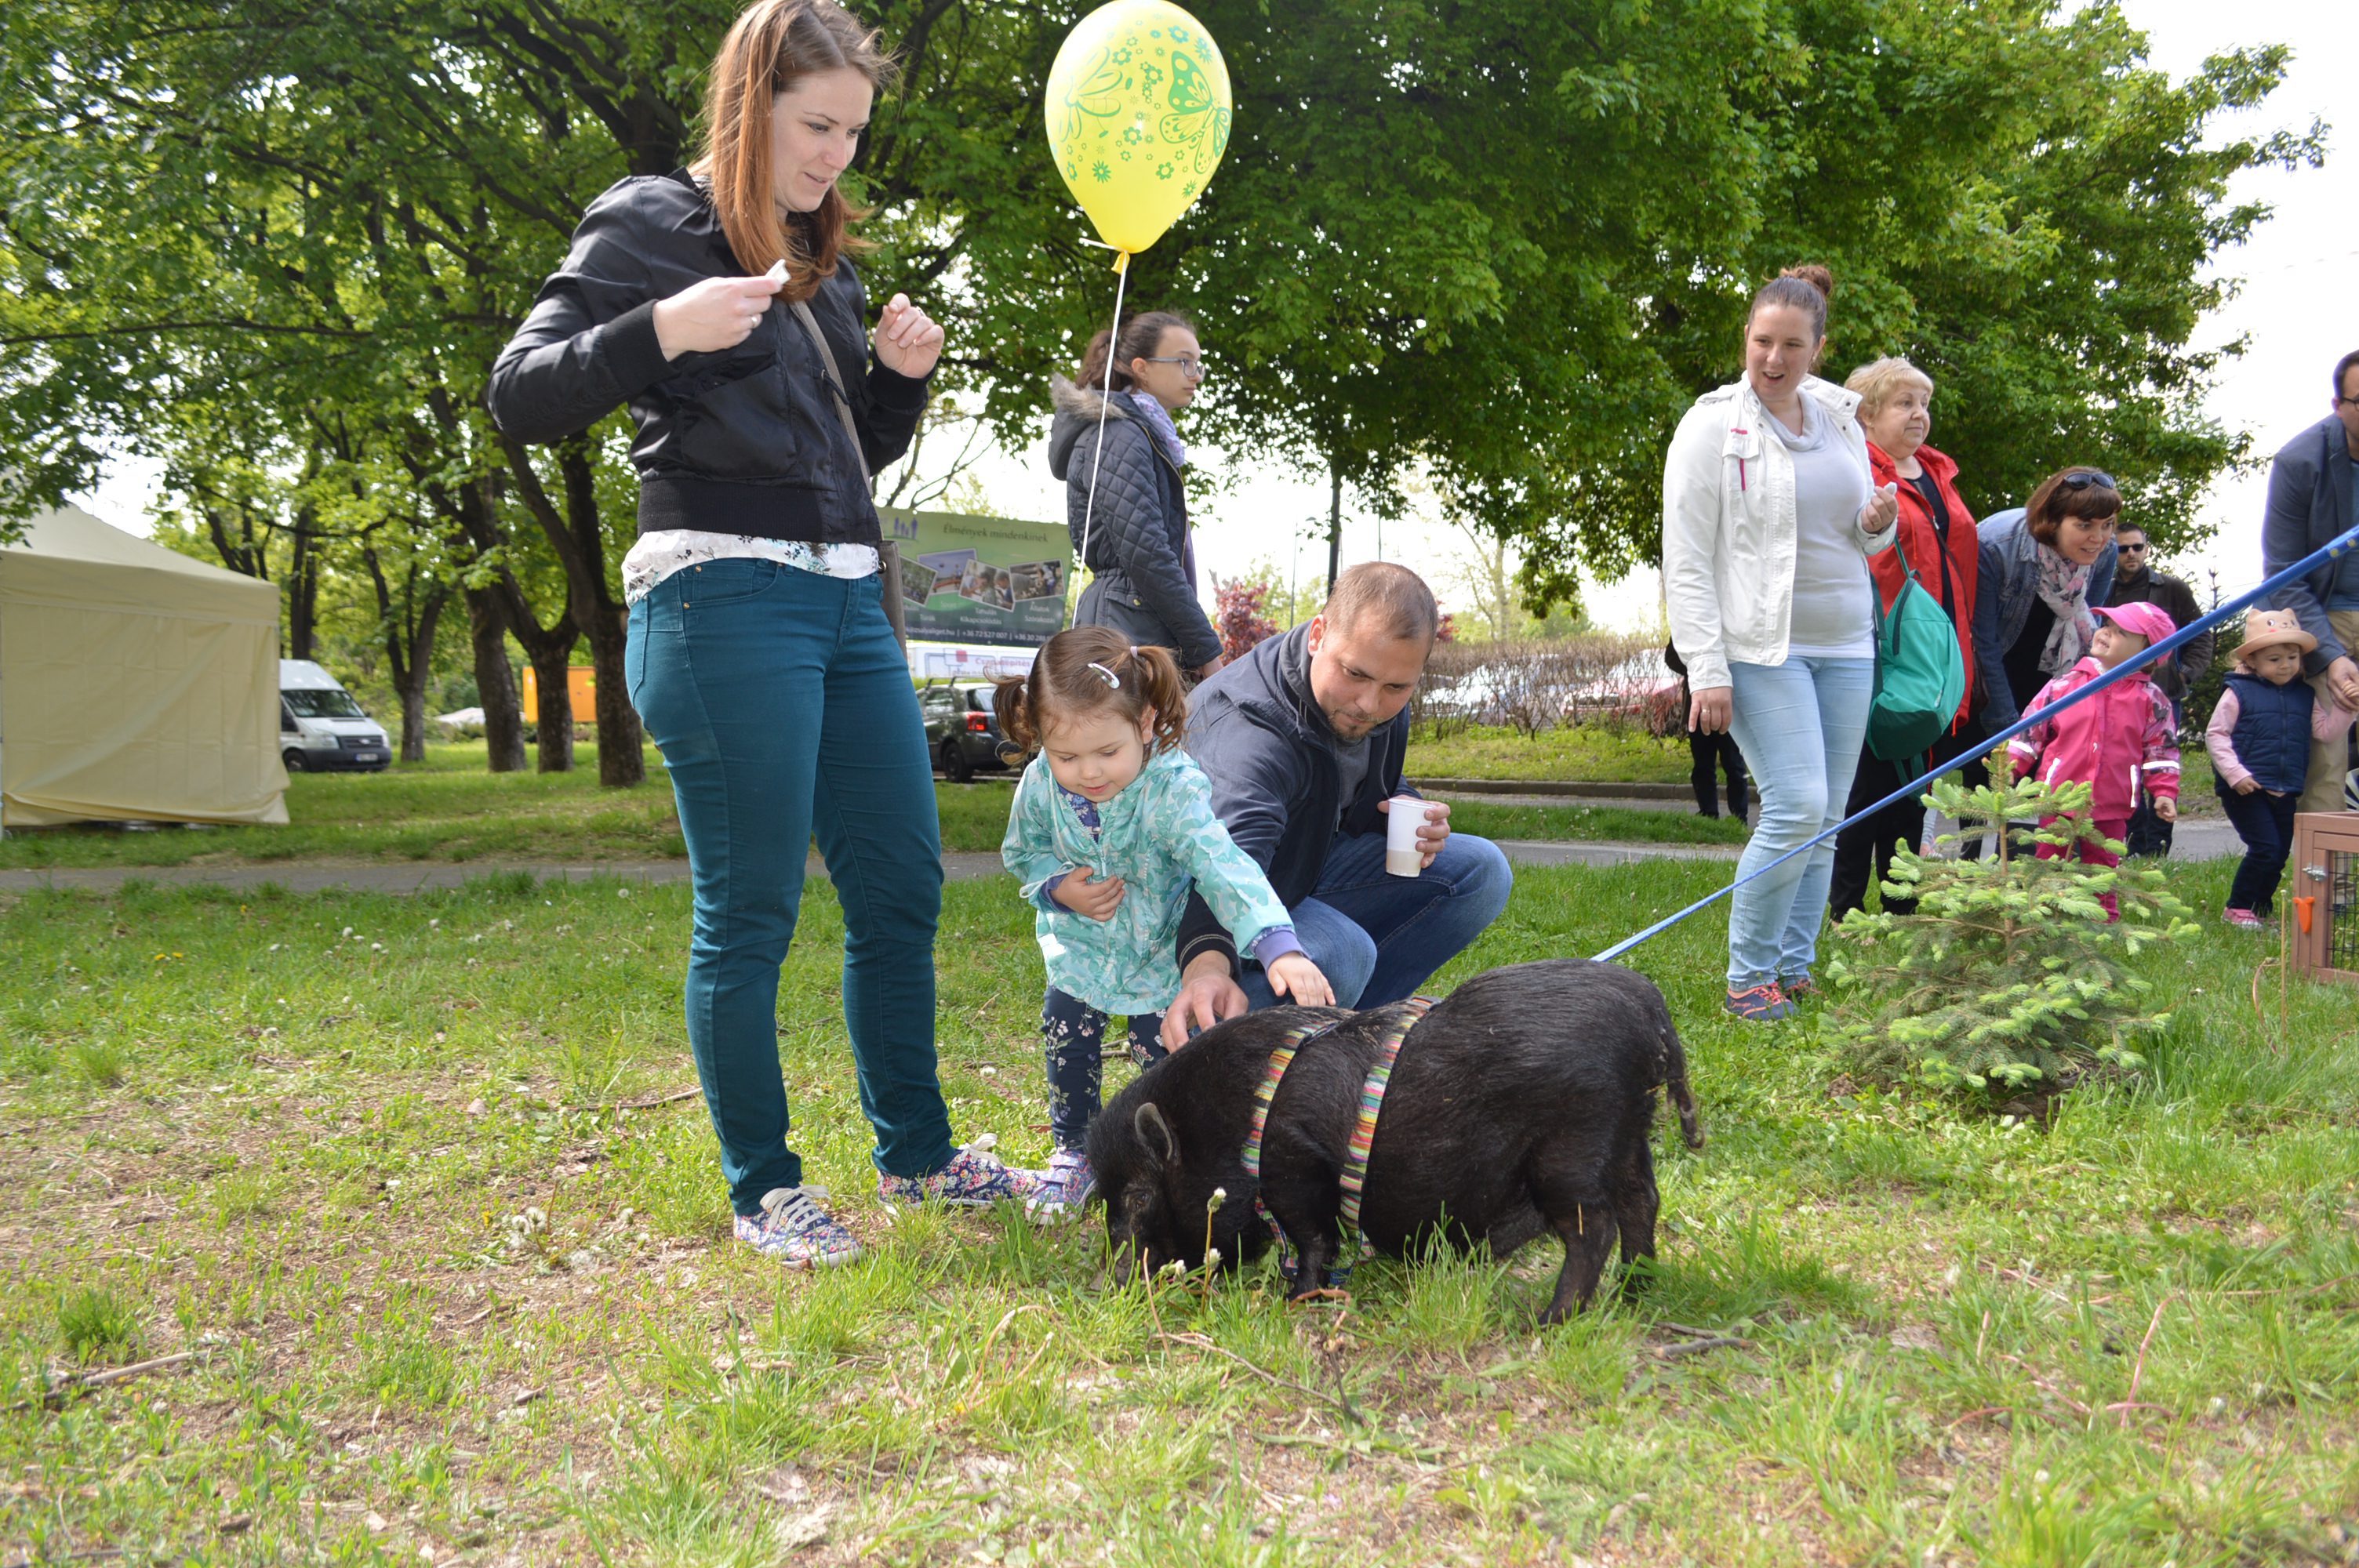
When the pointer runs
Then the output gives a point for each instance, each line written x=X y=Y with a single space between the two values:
x=1113 y=341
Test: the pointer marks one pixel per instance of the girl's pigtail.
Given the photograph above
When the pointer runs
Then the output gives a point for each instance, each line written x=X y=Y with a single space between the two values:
x=1012 y=700
x=1157 y=674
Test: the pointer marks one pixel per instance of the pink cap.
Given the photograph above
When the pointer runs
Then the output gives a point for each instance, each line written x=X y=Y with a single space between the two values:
x=2139 y=620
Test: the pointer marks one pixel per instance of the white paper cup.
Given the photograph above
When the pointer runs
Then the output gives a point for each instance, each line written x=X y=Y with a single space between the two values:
x=1402 y=857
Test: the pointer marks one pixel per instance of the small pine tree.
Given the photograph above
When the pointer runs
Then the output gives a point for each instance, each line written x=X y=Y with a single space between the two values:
x=2008 y=979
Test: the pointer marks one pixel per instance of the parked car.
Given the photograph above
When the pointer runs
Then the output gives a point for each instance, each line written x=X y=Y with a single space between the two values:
x=960 y=729
x=321 y=727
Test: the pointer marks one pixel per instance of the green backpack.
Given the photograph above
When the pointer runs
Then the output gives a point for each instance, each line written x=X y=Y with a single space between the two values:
x=1921 y=675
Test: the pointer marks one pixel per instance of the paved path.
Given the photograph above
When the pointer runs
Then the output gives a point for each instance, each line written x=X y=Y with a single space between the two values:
x=2195 y=841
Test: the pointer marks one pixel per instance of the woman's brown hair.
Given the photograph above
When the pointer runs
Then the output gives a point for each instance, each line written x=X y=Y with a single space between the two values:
x=1139 y=338
x=1089 y=669
x=1808 y=289
x=772 y=45
x=2059 y=496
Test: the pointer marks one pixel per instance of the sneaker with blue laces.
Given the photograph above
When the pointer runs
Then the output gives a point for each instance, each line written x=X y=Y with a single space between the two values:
x=973 y=1178
x=796 y=1231
x=1065 y=1188
x=1764 y=1003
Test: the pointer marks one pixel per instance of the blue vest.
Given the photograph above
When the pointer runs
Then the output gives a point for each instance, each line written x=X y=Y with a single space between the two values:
x=2272 y=733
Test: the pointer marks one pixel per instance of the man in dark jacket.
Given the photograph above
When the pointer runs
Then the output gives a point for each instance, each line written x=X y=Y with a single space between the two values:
x=2313 y=500
x=1303 y=740
x=2136 y=580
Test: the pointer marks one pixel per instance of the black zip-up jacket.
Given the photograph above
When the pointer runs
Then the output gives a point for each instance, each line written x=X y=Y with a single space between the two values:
x=1270 y=755
x=1137 y=526
x=744 y=441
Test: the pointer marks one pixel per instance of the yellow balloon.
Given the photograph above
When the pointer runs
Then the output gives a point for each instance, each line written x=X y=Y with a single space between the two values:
x=1138 y=115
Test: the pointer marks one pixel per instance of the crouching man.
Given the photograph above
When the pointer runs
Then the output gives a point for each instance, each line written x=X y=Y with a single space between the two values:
x=1303 y=740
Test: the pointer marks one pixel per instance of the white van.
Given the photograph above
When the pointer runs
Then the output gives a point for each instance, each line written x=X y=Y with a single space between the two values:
x=320 y=725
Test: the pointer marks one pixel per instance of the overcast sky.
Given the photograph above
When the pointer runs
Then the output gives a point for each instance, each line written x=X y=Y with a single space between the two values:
x=2298 y=305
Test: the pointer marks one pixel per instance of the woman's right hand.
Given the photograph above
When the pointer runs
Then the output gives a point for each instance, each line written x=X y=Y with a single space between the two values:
x=1710 y=709
x=706 y=318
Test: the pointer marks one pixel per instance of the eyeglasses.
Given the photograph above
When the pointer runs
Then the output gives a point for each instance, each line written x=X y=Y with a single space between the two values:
x=2131 y=549
x=1189 y=365
x=2087 y=477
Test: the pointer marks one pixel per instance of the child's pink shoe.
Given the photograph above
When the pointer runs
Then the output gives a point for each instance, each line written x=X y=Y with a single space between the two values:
x=2245 y=920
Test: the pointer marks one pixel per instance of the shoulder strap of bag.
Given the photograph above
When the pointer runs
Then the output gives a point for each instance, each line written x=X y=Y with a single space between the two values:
x=888 y=554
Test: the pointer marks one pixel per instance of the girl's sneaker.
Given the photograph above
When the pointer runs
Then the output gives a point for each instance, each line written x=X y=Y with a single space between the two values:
x=2245 y=920
x=1065 y=1188
x=1800 y=988
x=973 y=1178
x=794 y=1231
x=1764 y=1003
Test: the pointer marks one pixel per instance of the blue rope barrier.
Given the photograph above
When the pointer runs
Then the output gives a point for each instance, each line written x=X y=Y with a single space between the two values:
x=2301 y=567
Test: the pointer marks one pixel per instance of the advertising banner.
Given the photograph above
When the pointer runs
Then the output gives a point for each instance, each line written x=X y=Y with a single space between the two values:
x=991 y=580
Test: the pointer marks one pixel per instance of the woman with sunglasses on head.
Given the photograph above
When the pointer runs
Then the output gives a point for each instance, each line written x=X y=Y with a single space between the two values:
x=1769 y=517
x=719 y=302
x=1133 y=533
x=2044 y=567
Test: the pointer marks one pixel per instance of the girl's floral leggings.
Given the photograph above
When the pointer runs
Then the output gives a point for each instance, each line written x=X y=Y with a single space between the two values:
x=1074 y=1033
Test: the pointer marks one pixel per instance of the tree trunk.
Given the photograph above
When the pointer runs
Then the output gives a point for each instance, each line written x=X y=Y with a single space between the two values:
x=551 y=661
x=622 y=756
x=303 y=589
x=574 y=533
x=1334 y=525
x=408 y=629
x=495 y=683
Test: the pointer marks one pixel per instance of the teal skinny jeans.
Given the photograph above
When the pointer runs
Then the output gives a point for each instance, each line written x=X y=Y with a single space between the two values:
x=783 y=708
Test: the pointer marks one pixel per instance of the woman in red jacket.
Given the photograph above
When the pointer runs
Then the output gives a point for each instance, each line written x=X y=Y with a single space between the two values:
x=1938 y=538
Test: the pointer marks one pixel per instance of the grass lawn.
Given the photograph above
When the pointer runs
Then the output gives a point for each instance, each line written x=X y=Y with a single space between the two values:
x=1596 y=752
x=402 y=1173
x=448 y=808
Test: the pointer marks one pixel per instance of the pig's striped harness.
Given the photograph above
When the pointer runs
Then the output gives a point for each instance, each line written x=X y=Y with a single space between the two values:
x=1355 y=1244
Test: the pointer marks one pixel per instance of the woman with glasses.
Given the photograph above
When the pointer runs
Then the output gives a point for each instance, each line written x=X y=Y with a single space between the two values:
x=1770 y=516
x=1122 y=445
x=2043 y=566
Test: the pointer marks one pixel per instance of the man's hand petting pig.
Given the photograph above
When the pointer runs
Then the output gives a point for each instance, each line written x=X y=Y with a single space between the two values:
x=1294 y=977
x=1208 y=993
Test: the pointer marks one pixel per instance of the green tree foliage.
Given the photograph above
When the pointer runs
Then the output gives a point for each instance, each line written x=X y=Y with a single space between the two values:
x=1500 y=243
x=2007 y=976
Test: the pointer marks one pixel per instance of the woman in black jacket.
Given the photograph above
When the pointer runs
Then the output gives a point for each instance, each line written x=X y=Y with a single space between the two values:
x=761 y=657
x=1136 y=527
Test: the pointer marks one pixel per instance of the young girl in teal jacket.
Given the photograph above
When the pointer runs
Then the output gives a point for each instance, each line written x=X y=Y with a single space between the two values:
x=1112 y=824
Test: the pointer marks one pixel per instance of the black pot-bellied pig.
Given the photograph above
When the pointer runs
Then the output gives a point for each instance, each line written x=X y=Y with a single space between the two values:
x=1175 y=1134
x=1520 y=1102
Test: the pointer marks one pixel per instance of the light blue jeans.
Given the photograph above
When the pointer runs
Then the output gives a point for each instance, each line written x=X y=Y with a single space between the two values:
x=1377 y=937
x=1800 y=725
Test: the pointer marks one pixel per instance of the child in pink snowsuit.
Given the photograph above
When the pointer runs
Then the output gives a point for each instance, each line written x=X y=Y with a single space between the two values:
x=2114 y=742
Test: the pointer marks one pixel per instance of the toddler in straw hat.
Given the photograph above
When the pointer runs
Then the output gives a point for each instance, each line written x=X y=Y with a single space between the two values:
x=2259 y=739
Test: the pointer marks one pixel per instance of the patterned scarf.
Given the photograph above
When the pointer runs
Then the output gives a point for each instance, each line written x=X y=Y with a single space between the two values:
x=1158 y=420
x=2064 y=589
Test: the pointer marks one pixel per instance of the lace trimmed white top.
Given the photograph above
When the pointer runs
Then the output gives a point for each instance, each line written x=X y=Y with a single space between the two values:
x=660 y=554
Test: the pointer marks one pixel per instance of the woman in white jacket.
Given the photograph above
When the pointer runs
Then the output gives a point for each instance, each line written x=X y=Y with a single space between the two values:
x=1769 y=515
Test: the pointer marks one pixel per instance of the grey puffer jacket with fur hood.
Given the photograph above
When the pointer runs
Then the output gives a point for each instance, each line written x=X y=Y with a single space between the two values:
x=1138 y=529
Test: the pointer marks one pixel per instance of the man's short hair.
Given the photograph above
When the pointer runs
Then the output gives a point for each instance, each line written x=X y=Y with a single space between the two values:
x=2342 y=370
x=1395 y=596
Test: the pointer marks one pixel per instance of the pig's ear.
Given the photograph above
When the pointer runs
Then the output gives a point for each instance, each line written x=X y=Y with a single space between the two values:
x=1156 y=1134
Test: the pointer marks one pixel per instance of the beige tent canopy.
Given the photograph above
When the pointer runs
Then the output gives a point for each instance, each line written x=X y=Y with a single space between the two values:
x=136 y=685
